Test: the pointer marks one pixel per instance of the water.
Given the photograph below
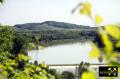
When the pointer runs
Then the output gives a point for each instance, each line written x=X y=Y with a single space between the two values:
x=63 y=54
x=66 y=54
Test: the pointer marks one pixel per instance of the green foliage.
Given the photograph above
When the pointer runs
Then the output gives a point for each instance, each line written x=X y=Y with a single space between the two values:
x=53 y=33
x=14 y=62
x=4 y=56
x=20 y=44
x=6 y=41
x=31 y=46
x=54 y=37
x=6 y=38
x=11 y=70
x=56 y=74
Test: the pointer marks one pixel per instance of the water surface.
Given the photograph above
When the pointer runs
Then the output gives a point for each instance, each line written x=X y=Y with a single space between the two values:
x=64 y=54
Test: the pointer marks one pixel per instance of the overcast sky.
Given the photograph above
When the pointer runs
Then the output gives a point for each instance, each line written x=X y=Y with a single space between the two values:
x=26 y=11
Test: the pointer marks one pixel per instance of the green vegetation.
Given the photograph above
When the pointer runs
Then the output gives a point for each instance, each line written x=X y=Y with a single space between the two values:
x=56 y=74
x=6 y=38
x=6 y=41
x=55 y=37
x=53 y=33
x=14 y=62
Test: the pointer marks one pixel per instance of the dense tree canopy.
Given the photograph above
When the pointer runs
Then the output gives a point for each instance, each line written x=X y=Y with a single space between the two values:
x=6 y=38
x=14 y=63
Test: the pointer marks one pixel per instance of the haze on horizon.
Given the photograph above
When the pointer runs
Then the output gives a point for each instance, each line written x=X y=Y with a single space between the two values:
x=26 y=11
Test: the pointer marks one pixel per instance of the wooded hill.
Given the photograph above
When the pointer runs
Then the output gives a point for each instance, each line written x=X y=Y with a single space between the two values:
x=52 y=32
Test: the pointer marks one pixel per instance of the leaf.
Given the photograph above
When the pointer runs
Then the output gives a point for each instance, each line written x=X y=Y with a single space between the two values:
x=44 y=71
x=99 y=19
x=88 y=75
x=108 y=44
x=23 y=57
x=113 y=30
x=114 y=63
x=86 y=8
x=117 y=44
x=23 y=76
x=44 y=65
x=37 y=68
x=95 y=53
x=10 y=68
x=115 y=55
x=5 y=73
x=2 y=67
x=31 y=46
x=82 y=11
x=36 y=77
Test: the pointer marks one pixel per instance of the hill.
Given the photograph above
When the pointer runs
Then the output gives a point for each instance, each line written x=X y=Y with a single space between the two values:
x=49 y=25
x=52 y=32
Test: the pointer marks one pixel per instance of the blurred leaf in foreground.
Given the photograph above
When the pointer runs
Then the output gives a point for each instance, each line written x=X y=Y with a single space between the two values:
x=88 y=75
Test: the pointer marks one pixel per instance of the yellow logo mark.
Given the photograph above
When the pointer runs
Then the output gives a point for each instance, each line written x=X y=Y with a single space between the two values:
x=112 y=71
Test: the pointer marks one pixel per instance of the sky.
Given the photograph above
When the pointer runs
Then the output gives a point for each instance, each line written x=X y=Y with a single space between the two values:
x=27 y=11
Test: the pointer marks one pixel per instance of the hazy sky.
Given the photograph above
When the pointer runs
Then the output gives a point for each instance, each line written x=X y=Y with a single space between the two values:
x=25 y=11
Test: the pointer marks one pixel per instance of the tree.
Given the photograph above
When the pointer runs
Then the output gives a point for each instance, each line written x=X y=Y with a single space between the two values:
x=13 y=60
x=20 y=44
x=13 y=63
x=6 y=38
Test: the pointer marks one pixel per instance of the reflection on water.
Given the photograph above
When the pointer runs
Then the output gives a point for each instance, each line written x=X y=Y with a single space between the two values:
x=64 y=54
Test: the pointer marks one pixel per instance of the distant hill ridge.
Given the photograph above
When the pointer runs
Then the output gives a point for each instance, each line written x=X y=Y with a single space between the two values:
x=52 y=33
x=49 y=25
